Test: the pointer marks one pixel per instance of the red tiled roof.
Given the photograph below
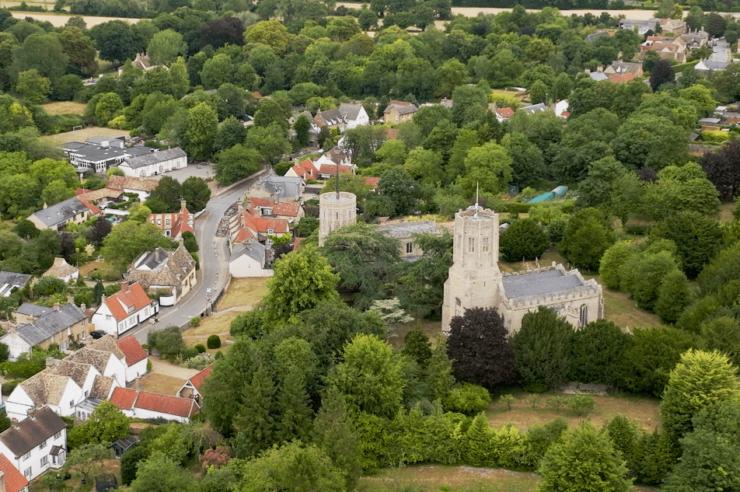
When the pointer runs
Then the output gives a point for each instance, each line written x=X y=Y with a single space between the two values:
x=332 y=169
x=132 y=296
x=621 y=78
x=243 y=234
x=198 y=379
x=264 y=224
x=171 y=405
x=90 y=206
x=123 y=398
x=373 y=181
x=132 y=349
x=13 y=480
x=505 y=112
x=286 y=209
x=306 y=169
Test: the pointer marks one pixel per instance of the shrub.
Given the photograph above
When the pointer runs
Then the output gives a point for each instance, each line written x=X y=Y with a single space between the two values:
x=195 y=321
x=580 y=405
x=200 y=348
x=556 y=403
x=467 y=398
x=524 y=239
x=9 y=386
x=213 y=342
x=188 y=353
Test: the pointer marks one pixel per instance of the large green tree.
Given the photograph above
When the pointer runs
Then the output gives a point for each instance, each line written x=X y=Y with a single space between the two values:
x=199 y=136
x=235 y=163
x=128 y=240
x=586 y=238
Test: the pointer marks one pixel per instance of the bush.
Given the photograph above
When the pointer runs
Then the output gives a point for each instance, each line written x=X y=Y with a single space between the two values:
x=523 y=240
x=188 y=239
x=467 y=398
x=556 y=403
x=195 y=321
x=168 y=343
x=188 y=353
x=200 y=348
x=9 y=386
x=213 y=342
x=580 y=405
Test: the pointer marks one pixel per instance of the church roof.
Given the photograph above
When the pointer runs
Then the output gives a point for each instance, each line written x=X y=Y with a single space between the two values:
x=541 y=282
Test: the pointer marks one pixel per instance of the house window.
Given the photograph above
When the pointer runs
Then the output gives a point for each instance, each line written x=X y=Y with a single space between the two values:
x=409 y=248
x=27 y=472
x=26 y=456
x=44 y=461
x=58 y=435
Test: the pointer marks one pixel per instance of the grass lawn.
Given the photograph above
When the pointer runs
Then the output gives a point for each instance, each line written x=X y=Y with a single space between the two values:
x=620 y=309
x=644 y=411
x=432 y=329
x=160 y=383
x=244 y=293
x=82 y=135
x=430 y=478
x=216 y=324
x=64 y=107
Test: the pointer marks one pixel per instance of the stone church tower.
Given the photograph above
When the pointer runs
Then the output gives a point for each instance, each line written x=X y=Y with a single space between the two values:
x=336 y=209
x=474 y=276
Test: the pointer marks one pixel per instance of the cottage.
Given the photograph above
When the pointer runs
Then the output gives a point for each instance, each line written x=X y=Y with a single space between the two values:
x=695 y=39
x=146 y=405
x=125 y=309
x=405 y=233
x=346 y=117
x=72 y=210
x=171 y=274
x=719 y=60
x=266 y=207
x=710 y=124
x=640 y=26
x=173 y=224
x=330 y=118
x=12 y=281
x=399 y=112
x=193 y=386
x=60 y=325
x=250 y=258
x=672 y=26
x=62 y=270
x=667 y=48
x=251 y=225
x=135 y=356
x=142 y=187
x=305 y=169
x=503 y=114
x=36 y=444
x=155 y=163
x=11 y=479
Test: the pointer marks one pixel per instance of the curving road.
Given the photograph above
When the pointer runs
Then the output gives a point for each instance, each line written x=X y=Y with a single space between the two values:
x=214 y=266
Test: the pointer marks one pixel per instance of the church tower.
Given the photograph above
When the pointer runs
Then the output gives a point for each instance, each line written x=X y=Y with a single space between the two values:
x=474 y=275
x=336 y=209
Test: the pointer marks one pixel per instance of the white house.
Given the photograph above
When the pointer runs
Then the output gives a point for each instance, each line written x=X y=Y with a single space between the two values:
x=125 y=309
x=145 y=405
x=135 y=356
x=354 y=115
x=249 y=259
x=193 y=386
x=36 y=444
x=12 y=281
x=155 y=163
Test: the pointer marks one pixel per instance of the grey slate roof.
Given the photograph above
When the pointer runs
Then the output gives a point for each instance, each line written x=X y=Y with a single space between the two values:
x=287 y=187
x=93 y=153
x=30 y=309
x=253 y=249
x=155 y=158
x=152 y=259
x=29 y=433
x=332 y=116
x=401 y=230
x=540 y=282
x=12 y=280
x=50 y=323
x=350 y=111
x=61 y=212
x=535 y=108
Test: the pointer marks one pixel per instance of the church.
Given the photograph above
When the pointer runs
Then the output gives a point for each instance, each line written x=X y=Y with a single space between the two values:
x=475 y=279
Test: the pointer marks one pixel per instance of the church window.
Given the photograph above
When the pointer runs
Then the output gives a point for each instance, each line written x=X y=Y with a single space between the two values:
x=471 y=244
x=583 y=321
x=409 y=248
x=484 y=245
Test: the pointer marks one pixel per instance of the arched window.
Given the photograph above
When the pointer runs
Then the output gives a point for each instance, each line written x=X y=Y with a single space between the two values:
x=583 y=321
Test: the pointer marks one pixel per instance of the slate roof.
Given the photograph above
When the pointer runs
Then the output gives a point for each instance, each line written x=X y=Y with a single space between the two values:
x=12 y=479
x=61 y=212
x=535 y=108
x=330 y=117
x=23 y=436
x=540 y=282
x=155 y=158
x=50 y=323
x=287 y=187
x=253 y=249
x=30 y=309
x=350 y=111
x=406 y=229
x=92 y=152
x=12 y=280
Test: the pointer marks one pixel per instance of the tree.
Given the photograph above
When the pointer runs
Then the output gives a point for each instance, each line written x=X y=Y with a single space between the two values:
x=166 y=196
x=139 y=213
x=32 y=86
x=527 y=162
x=646 y=140
x=365 y=259
x=542 y=349
x=42 y=52
x=158 y=473
x=106 y=425
x=596 y=352
x=488 y=167
x=723 y=335
x=661 y=73
x=723 y=169
x=698 y=380
x=235 y=163
x=538 y=92
x=292 y=467
x=86 y=461
x=697 y=237
x=79 y=47
x=230 y=132
x=303 y=279
x=302 y=127
x=272 y=33
x=674 y=295
x=255 y=419
x=525 y=239
x=165 y=46
x=583 y=460
x=98 y=231
x=612 y=260
x=270 y=142
x=421 y=284
x=400 y=189
x=425 y=165
x=195 y=192
x=128 y=240
x=469 y=104
x=55 y=192
x=643 y=274
x=585 y=239
x=200 y=131
x=479 y=348
x=416 y=345
x=115 y=41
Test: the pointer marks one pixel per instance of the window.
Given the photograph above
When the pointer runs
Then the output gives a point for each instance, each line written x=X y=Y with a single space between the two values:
x=44 y=461
x=26 y=456
x=583 y=321
x=471 y=244
x=27 y=472
x=71 y=403
x=484 y=245
x=58 y=435
x=409 y=248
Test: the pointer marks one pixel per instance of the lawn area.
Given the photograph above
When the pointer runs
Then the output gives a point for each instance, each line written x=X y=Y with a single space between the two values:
x=82 y=135
x=64 y=107
x=620 y=309
x=160 y=383
x=448 y=478
x=244 y=293
x=431 y=328
x=216 y=324
x=522 y=415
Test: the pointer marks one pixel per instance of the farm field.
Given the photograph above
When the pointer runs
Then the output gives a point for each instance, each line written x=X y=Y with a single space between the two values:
x=59 y=20
x=64 y=107
x=82 y=135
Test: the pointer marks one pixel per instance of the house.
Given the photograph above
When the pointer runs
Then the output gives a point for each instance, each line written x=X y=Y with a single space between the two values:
x=125 y=309
x=74 y=210
x=503 y=114
x=672 y=26
x=251 y=225
x=60 y=325
x=621 y=71
x=640 y=26
x=267 y=207
x=36 y=444
x=98 y=154
x=710 y=124
x=719 y=60
x=695 y=39
x=534 y=108
x=305 y=169
x=63 y=271
x=142 y=187
x=372 y=182
x=289 y=188
x=354 y=115
x=405 y=233
x=135 y=356
x=12 y=281
x=173 y=224
x=665 y=47
x=168 y=275
x=155 y=163
x=193 y=386
x=330 y=118
x=11 y=480
x=399 y=112
x=250 y=258
x=146 y=405
x=336 y=155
